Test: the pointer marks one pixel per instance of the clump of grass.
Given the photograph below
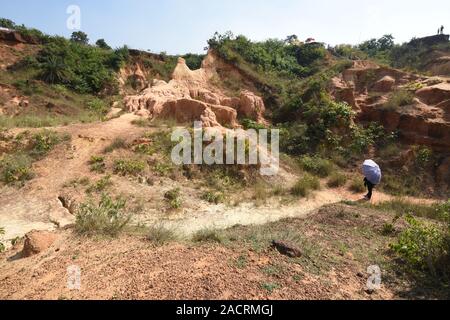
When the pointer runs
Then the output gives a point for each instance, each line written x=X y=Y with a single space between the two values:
x=337 y=180
x=213 y=197
x=160 y=235
x=117 y=144
x=305 y=185
x=128 y=167
x=241 y=262
x=398 y=99
x=317 y=166
x=16 y=169
x=101 y=185
x=173 y=197
x=270 y=287
x=43 y=142
x=97 y=164
x=403 y=207
x=207 y=235
x=74 y=183
x=161 y=142
x=357 y=185
x=388 y=229
x=107 y=217
x=261 y=192
x=162 y=169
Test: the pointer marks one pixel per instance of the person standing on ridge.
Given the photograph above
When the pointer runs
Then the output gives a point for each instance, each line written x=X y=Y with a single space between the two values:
x=442 y=29
x=372 y=177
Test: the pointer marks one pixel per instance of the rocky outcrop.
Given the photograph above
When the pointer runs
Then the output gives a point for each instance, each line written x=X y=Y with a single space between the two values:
x=385 y=84
x=37 y=242
x=190 y=96
x=435 y=94
x=425 y=120
x=251 y=106
x=14 y=37
x=134 y=76
x=367 y=87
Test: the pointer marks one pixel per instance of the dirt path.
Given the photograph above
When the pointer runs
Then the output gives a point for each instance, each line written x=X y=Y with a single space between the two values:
x=223 y=217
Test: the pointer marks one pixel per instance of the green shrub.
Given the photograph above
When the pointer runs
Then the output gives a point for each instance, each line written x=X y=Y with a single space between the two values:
x=128 y=167
x=44 y=141
x=97 y=164
x=16 y=169
x=337 y=180
x=423 y=247
x=305 y=185
x=388 y=229
x=97 y=106
x=357 y=185
x=160 y=235
x=173 y=197
x=108 y=217
x=364 y=137
x=213 y=197
x=317 y=166
x=101 y=185
x=162 y=169
x=207 y=235
x=250 y=124
x=424 y=157
x=194 y=61
x=399 y=98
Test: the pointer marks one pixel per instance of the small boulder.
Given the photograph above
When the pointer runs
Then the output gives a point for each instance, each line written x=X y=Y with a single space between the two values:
x=287 y=249
x=385 y=84
x=37 y=242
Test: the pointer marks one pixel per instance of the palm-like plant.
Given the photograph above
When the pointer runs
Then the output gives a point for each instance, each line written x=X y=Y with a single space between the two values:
x=54 y=70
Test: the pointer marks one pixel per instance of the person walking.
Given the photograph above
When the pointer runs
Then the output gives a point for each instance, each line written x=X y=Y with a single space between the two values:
x=372 y=177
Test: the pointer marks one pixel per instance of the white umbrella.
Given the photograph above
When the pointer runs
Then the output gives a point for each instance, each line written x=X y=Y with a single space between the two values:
x=372 y=171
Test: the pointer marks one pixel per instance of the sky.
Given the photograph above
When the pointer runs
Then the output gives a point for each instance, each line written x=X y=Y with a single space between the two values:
x=182 y=26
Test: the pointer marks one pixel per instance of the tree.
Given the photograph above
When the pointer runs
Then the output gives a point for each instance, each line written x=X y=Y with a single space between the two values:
x=79 y=37
x=54 y=70
x=292 y=39
x=6 y=23
x=101 y=43
x=386 y=42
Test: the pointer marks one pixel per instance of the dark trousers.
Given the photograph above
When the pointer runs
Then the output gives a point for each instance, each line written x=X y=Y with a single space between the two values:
x=370 y=187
